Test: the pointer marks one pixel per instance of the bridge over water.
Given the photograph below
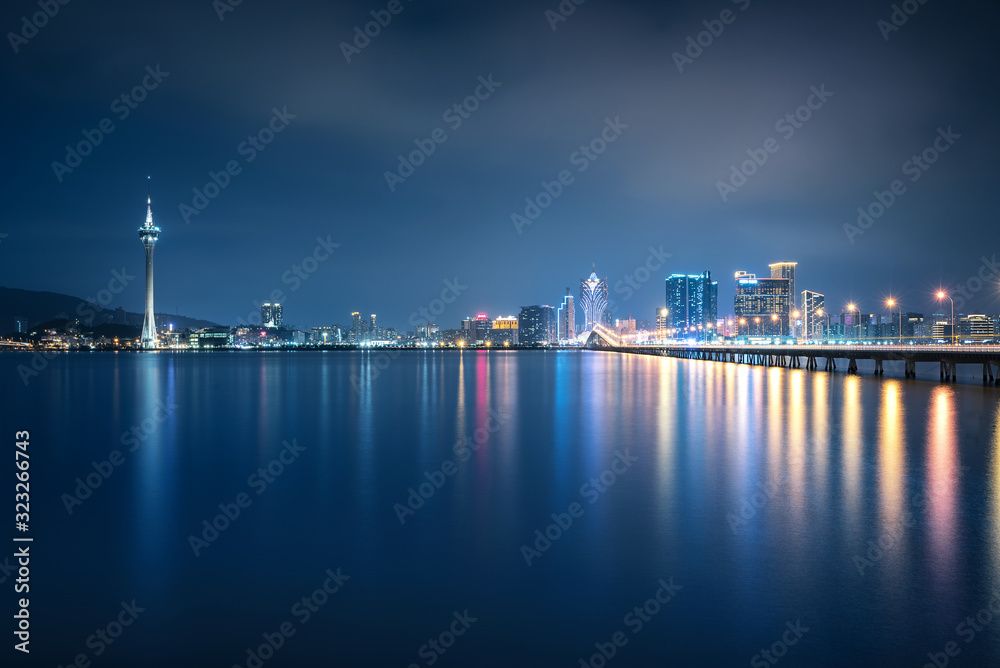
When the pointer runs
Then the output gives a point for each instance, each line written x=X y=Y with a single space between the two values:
x=798 y=356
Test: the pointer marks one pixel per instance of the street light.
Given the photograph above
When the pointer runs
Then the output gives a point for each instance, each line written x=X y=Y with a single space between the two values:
x=890 y=303
x=941 y=295
x=820 y=313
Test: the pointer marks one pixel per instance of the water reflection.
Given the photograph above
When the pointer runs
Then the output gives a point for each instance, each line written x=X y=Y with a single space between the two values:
x=891 y=469
x=993 y=487
x=943 y=478
x=852 y=455
x=815 y=466
x=155 y=452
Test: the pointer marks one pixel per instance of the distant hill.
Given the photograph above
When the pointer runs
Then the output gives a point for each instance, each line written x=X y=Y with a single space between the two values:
x=38 y=307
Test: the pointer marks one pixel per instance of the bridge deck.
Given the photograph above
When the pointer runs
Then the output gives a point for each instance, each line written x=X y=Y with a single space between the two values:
x=792 y=355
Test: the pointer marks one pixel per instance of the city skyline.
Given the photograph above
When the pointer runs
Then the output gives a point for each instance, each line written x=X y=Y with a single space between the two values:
x=654 y=186
x=706 y=302
x=690 y=301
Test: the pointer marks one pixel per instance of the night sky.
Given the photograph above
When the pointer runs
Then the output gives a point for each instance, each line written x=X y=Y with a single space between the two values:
x=608 y=67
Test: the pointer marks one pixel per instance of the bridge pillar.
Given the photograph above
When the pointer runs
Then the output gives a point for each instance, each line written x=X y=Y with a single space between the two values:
x=911 y=369
x=852 y=366
x=987 y=373
x=878 y=368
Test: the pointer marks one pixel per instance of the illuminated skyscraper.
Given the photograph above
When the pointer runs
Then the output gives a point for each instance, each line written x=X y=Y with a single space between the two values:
x=270 y=315
x=812 y=322
x=566 y=318
x=537 y=325
x=593 y=299
x=763 y=305
x=149 y=234
x=786 y=270
x=481 y=328
x=692 y=300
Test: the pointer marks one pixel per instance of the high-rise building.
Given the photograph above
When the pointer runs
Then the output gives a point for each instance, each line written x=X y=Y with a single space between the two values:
x=504 y=332
x=149 y=234
x=593 y=299
x=566 y=318
x=692 y=301
x=20 y=324
x=977 y=327
x=482 y=326
x=270 y=315
x=913 y=325
x=762 y=305
x=662 y=323
x=537 y=325
x=812 y=322
x=786 y=270
x=677 y=301
x=359 y=329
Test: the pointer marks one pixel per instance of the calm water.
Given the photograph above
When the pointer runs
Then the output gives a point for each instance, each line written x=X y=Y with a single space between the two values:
x=758 y=496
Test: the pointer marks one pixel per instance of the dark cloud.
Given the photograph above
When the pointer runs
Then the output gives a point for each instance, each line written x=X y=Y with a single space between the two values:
x=655 y=185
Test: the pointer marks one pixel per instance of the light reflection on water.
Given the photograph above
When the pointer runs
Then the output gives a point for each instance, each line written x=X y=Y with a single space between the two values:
x=814 y=465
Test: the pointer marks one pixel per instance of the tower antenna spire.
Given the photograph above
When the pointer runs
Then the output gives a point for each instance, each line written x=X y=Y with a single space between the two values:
x=149 y=202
